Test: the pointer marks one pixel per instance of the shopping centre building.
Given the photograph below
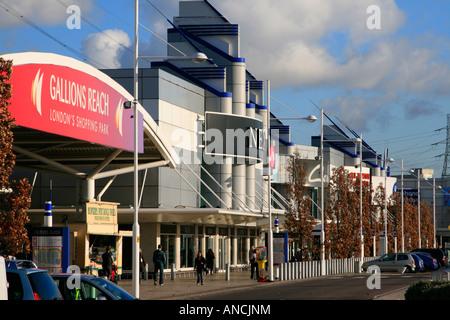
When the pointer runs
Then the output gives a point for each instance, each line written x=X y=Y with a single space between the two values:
x=202 y=149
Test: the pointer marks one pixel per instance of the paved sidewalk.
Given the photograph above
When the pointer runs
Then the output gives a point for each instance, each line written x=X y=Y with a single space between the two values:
x=184 y=287
x=398 y=294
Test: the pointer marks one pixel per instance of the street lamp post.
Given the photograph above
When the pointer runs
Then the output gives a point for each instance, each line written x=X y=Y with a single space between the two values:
x=310 y=118
x=386 y=161
x=434 y=186
x=361 y=202
x=269 y=191
x=197 y=58
x=322 y=201
x=136 y=229
x=403 y=235
x=434 y=212
x=418 y=206
x=418 y=203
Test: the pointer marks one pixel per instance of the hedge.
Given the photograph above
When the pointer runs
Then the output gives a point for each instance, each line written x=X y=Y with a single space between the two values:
x=428 y=290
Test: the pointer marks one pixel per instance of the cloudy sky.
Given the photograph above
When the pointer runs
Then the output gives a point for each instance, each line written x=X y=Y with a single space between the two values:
x=391 y=84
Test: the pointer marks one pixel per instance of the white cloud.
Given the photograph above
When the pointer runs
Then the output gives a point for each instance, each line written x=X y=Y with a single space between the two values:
x=293 y=43
x=42 y=12
x=358 y=110
x=106 y=47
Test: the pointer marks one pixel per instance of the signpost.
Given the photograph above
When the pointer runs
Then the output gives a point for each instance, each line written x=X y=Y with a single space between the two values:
x=61 y=95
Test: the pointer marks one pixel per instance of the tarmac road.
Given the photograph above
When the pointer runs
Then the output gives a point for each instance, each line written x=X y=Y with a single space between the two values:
x=241 y=287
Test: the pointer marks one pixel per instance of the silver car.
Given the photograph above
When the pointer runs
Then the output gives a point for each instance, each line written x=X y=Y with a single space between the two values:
x=396 y=262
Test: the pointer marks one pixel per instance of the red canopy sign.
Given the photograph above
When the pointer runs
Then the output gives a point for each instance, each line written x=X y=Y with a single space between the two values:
x=75 y=101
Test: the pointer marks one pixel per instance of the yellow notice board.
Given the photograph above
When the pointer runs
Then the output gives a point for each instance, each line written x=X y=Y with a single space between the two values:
x=101 y=212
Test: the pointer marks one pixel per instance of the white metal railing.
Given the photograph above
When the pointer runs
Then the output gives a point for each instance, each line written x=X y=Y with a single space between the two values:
x=310 y=269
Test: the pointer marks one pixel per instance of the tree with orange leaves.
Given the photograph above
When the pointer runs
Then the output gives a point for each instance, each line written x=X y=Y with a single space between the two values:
x=342 y=223
x=299 y=218
x=14 y=196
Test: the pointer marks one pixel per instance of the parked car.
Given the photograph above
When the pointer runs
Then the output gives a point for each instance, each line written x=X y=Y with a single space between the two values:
x=89 y=288
x=429 y=262
x=31 y=284
x=437 y=253
x=19 y=264
x=420 y=267
x=3 y=281
x=400 y=262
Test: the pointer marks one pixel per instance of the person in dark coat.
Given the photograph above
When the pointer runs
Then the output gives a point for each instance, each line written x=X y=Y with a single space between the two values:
x=107 y=262
x=141 y=265
x=159 y=260
x=253 y=266
x=210 y=261
x=200 y=264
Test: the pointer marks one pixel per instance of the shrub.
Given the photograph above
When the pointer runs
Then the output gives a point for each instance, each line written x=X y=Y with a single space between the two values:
x=428 y=290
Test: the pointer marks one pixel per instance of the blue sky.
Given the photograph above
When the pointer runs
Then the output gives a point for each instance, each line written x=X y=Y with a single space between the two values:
x=391 y=85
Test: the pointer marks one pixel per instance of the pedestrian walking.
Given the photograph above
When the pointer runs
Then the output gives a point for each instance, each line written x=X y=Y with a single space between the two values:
x=107 y=263
x=298 y=255
x=253 y=266
x=141 y=265
x=159 y=260
x=200 y=264
x=210 y=261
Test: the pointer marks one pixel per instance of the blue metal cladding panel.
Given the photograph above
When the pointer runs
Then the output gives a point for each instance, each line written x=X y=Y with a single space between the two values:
x=212 y=29
x=206 y=73
x=256 y=85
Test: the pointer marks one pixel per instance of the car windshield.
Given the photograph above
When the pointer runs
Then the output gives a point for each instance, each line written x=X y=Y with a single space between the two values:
x=115 y=290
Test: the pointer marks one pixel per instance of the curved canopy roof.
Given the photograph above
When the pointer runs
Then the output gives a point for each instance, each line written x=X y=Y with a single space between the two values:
x=70 y=120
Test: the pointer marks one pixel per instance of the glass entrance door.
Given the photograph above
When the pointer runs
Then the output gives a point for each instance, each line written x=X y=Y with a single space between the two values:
x=187 y=251
x=222 y=254
x=168 y=244
x=209 y=244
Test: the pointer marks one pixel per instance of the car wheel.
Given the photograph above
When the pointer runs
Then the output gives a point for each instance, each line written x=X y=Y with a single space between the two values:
x=406 y=269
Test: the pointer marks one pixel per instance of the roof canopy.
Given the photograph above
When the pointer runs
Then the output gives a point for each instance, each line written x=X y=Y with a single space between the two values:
x=71 y=120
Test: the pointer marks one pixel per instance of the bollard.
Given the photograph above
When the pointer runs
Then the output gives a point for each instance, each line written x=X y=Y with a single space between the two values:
x=172 y=272
x=227 y=272
x=357 y=266
x=288 y=271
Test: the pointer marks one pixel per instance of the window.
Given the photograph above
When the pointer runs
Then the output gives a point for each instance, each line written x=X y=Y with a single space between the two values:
x=44 y=286
x=187 y=253
x=168 y=244
x=314 y=209
x=90 y=292
x=242 y=253
x=388 y=257
x=15 y=291
x=112 y=289
x=402 y=257
x=68 y=294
